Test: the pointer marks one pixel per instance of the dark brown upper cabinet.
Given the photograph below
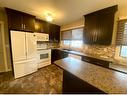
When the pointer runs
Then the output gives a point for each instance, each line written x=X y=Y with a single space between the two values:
x=54 y=33
x=29 y=22
x=99 y=26
x=49 y=28
x=41 y=26
x=20 y=21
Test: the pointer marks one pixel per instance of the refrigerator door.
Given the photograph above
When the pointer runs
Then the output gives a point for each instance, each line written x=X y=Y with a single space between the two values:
x=31 y=46
x=22 y=68
x=18 y=45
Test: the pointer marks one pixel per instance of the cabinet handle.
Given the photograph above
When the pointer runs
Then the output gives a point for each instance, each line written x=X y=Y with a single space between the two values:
x=97 y=63
x=86 y=60
x=95 y=39
x=24 y=26
x=95 y=36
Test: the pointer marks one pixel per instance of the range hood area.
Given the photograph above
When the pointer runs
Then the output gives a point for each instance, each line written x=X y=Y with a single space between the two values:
x=99 y=26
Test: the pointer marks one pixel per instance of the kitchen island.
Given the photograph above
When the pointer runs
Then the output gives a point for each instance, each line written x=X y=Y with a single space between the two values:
x=82 y=77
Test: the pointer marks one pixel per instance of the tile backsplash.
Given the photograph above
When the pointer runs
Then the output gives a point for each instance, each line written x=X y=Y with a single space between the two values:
x=53 y=45
x=98 y=50
x=110 y=52
x=48 y=44
x=95 y=50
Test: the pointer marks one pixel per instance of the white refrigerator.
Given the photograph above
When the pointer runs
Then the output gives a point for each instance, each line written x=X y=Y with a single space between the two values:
x=24 y=53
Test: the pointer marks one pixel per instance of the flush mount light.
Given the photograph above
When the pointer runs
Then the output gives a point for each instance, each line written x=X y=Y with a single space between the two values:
x=49 y=17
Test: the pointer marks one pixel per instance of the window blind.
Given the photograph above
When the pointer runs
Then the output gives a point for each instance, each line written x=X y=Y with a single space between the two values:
x=74 y=34
x=66 y=35
x=77 y=34
x=121 y=38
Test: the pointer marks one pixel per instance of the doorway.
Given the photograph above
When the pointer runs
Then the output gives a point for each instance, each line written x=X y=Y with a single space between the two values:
x=3 y=61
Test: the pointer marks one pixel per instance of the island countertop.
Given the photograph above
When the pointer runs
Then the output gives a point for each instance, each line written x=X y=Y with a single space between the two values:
x=107 y=80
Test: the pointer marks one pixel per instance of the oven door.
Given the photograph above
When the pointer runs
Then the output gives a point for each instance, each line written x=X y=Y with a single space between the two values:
x=44 y=56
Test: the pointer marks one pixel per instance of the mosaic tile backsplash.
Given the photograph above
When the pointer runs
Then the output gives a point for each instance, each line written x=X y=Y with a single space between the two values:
x=98 y=50
x=53 y=45
x=95 y=50
x=49 y=44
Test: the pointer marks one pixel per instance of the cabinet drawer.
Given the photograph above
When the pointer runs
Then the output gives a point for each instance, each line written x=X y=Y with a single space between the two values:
x=88 y=59
x=96 y=61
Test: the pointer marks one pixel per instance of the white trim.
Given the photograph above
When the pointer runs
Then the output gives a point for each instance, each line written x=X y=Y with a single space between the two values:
x=4 y=45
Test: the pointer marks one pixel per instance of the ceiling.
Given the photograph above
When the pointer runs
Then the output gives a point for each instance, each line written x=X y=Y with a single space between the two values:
x=63 y=11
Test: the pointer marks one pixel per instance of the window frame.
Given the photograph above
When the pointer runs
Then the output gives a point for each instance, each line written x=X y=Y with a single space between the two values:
x=118 y=57
x=121 y=50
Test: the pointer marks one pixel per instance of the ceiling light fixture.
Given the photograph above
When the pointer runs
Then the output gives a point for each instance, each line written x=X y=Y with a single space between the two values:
x=49 y=17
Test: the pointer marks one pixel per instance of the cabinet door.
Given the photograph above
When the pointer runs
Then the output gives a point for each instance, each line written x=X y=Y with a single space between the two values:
x=41 y=26
x=54 y=34
x=38 y=26
x=51 y=33
x=29 y=22
x=18 y=45
x=105 y=28
x=58 y=54
x=90 y=28
x=57 y=36
x=14 y=20
x=46 y=26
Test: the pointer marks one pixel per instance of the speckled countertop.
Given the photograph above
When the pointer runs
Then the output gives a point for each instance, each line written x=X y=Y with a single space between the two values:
x=83 y=54
x=107 y=80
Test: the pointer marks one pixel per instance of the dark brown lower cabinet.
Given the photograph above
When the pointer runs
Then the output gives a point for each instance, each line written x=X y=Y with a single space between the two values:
x=95 y=61
x=58 y=54
x=74 y=85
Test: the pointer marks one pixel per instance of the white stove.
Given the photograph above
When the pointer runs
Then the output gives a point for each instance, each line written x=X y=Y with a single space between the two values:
x=44 y=57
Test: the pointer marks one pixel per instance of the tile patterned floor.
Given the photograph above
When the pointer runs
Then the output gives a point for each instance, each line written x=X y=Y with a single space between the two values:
x=46 y=80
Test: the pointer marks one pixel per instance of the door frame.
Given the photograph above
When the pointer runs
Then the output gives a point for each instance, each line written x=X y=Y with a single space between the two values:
x=4 y=45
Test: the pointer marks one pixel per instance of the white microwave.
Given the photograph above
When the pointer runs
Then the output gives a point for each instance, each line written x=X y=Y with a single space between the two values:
x=42 y=36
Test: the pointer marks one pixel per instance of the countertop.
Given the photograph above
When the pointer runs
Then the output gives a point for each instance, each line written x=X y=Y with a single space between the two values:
x=89 y=55
x=105 y=79
x=118 y=67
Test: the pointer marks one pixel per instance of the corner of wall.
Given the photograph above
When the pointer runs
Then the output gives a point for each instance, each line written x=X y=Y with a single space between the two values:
x=114 y=30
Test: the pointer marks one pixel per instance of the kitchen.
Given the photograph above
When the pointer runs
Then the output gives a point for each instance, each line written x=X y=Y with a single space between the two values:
x=82 y=51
